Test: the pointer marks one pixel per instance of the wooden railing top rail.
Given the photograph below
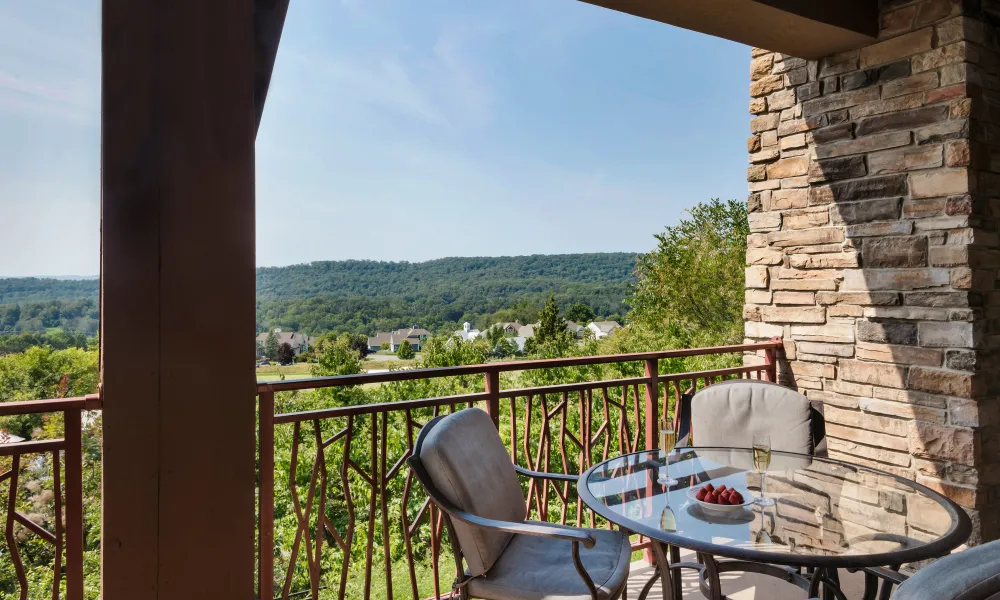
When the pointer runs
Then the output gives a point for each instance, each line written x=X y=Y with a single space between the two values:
x=517 y=365
x=28 y=407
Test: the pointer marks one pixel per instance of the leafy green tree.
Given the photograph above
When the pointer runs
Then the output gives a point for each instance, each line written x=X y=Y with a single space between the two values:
x=504 y=348
x=405 y=351
x=690 y=287
x=360 y=343
x=285 y=354
x=271 y=346
x=551 y=330
x=336 y=356
x=580 y=313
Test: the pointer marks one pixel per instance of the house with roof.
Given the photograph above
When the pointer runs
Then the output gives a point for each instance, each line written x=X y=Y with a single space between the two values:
x=603 y=329
x=467 y=333
x=299 y=342
x=392 y=340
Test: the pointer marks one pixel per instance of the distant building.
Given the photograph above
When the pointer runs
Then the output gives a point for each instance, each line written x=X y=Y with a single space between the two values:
x=575 y=328
x=467 y=333
x=603 y=329
x=299 y=342
x=392 y=340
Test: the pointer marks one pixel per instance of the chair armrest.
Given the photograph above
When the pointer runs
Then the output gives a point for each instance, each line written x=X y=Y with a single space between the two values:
x=550 y=476
x=562 y=533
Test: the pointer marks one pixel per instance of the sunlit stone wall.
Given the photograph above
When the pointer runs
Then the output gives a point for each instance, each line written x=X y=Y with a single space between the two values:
x=874 y=253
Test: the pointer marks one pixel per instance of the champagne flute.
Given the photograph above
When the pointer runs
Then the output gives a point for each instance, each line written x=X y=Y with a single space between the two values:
x=668 y=437
x=761 y=461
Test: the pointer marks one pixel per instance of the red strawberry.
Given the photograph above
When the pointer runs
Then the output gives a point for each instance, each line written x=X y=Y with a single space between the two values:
x=711 y=498
x=723 y=497
x=720 y=489
x=701 y=494
x=709 y=487
x=735 y=498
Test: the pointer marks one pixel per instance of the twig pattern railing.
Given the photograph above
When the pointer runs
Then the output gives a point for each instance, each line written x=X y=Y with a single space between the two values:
x=66 y=454
x=344 y=498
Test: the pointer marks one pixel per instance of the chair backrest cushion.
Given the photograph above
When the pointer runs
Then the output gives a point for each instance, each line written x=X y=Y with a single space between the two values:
x=468 y=464
x=730 y=413
x=972 y=574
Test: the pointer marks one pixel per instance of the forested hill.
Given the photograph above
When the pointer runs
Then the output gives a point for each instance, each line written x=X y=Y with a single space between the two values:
x=364 y=296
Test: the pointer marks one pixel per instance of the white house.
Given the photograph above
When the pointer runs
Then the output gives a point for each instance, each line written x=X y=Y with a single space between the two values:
x=467 y=333
x=603 y=329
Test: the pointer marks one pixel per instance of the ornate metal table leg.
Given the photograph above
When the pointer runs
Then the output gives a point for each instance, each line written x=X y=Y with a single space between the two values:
x=666 y=577
x=675 y=558
x=814 y=582
x=710 y=577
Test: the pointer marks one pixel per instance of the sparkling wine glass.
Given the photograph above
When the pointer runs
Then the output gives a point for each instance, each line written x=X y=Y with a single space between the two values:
x=668 y=437
x=761 y=461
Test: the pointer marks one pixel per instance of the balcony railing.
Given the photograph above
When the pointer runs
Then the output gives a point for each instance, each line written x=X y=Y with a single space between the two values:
x=349 y=496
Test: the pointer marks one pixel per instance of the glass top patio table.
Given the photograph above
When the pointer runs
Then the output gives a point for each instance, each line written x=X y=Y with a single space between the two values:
x=827 y=513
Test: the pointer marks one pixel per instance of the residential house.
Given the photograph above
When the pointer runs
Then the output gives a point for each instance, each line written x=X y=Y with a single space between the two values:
x=299 y=342
x=392 y=340
x=575 y=328
x=467 y=333
x=603 y=329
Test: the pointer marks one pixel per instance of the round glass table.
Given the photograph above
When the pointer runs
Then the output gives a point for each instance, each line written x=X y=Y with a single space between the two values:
x=826 y=515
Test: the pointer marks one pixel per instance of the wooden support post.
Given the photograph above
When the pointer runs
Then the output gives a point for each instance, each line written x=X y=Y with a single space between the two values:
x=178 y=274
x=493 y=389
x=771 y=360
x=74 y=504
x=265 y=523
x=652 y=425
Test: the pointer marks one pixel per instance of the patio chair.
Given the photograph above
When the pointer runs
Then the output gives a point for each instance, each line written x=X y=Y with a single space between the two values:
x=972 y=574
x=731 y=412
x=462 y=464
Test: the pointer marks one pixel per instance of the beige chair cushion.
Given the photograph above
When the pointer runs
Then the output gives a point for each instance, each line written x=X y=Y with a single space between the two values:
x=729 y=413
x=537 y=568
x=467 y=462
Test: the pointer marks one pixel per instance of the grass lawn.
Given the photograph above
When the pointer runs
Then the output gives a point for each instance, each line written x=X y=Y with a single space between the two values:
x=274 y=372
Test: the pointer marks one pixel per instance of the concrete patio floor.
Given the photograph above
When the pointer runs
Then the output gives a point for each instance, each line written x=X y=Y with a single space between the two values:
x=737 y=586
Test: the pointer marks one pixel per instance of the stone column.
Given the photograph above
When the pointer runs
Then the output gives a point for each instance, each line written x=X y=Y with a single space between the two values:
x=874 y=252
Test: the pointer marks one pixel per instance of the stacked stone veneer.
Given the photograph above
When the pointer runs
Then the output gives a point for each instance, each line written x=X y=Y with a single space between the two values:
x=874 y=253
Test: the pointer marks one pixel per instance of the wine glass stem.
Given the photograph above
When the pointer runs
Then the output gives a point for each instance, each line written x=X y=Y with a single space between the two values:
x=763 y=478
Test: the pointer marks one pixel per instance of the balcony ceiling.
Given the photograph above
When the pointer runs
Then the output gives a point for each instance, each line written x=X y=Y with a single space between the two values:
x=803 y=28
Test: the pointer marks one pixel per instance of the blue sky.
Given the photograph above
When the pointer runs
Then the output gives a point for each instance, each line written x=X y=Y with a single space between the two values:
x=400 y=130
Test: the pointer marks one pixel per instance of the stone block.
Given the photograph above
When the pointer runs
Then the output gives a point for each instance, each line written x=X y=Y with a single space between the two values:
x=949 y=256
x=904 y=160
x=757 y=173
x=832 y=399
x=788 y=167
x=863 y=436
x=808 y=274
x=895 y=279
x=760 y=67
x=757 y=277
x=873 y=373
x=928 y=440
x=877 y=455
x=765 y=156
x=952 y=222
x=910 y=85
x=764 y=256
x=906 y=355
x=863 y=230
x=851 y=213
x=847 y=167
x=805 y=219
x=839 y=101
x=887 y=333
x=939 y=183
x=939 y=57
x=888 y=105
x=808 y=237
x=909 y=119
x=886 y=186
x=818 y=249
x=961 y=360
x=766 y=85
x=896 y=251
x=861 y=298
x=831 y=332
x=897 y=48
x=897 y=21
x=808 y=91
x=792 y=298
x=758 y=106
x=946 y=93
x=786 y=199
x=863 y=145
x=957 y=153
x=932 y=11
x=797 y=77
x=781 y=99
x=875 y=76
x=839 y=63
x=845 y=310
x=790 y=142
x=941 y=132
x=753 y=329
x=908 y=313
x=833 y=133
x=903 y=410
x=803 y=284
x=948 y=335
x=958 y=205
x=853 y=389
x=824 y=261
x=764 y=221
x=769 y=138
x=839 y=350
x=938 y=299
x=764 y=122
x=923 y=207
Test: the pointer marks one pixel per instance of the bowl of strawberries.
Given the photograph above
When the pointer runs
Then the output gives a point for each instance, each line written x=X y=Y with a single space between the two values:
x=719 y=500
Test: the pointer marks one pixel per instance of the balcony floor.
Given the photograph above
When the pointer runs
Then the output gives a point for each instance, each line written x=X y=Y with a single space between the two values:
x=738 y=586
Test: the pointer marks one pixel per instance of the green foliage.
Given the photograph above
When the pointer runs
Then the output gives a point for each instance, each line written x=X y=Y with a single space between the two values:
x=14 y=290
x=405 y=351
x=580 y=313
x=551 y=336
x=690 y=288
x=337 y=356
x=285 y=354
x=78 y=316
x=271 y=346
x=60 y=340
x=442 y=351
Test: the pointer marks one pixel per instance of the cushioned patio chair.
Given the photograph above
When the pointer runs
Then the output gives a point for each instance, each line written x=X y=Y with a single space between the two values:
x=461 y=462
x=731 y=412
x=972 y=574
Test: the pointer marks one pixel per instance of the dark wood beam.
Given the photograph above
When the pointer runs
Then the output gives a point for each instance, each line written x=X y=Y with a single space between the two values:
x=803 y=28
x=268 y=22
x=177 y=277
